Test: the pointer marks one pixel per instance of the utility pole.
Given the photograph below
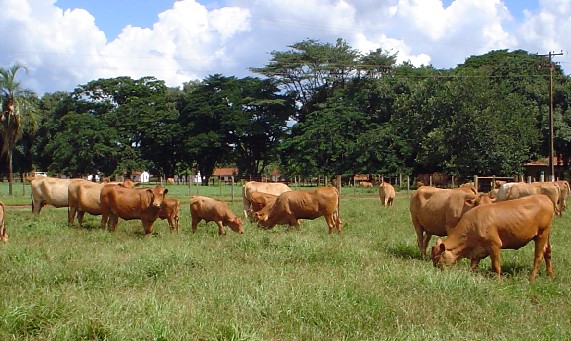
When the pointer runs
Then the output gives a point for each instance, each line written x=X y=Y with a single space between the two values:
x=551 y=66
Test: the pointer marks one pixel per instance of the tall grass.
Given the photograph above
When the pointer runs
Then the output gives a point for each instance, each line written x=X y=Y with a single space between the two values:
x=368 y=283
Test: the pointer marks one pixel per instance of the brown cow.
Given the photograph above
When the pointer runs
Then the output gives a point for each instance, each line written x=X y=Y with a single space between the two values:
x=3 y=234
x=85 y=196
x=485 y=230
x=209 y=209
x=436 y=211
x=291 y=206
x=366 y=184
x=275 y=188
x=386 y=194
x=169 y=210
x=170 y=181
x=260 y=200
x=564 y=186
x=550 y=189
x=48 y=191
x=129 y=203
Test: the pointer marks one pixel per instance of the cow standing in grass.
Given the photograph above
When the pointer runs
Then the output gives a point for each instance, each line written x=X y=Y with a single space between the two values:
x=209 y=209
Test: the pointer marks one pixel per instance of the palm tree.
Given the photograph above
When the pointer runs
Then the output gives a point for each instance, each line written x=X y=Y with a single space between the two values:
x=18 y=112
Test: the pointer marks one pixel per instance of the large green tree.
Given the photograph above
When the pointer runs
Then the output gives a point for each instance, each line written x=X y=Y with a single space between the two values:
x=18 y=113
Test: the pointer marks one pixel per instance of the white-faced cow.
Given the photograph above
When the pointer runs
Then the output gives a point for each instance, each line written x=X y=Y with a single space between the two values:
x=292 y=206
x=485 y=230
x=129 y=203
x=275 y=188
x=49 y=191
x=209 y=209
x=436 y=211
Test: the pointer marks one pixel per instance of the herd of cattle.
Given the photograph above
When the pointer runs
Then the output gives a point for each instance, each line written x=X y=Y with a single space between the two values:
x=477 y=225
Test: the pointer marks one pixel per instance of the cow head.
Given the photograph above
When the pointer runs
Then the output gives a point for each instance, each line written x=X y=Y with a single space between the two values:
x=235 y=223
x=441 y=257
x=129 y=184
x=158 y=194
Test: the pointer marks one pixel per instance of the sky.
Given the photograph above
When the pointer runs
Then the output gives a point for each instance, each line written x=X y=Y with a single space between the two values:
x=66 y=43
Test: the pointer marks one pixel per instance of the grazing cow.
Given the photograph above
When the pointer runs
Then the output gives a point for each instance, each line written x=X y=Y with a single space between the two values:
x=170 y=181
x=249 y=187
x=260 y=200
x=501 y=195
x=209 y=209
x=483 y=231
x=85 y=196
x=169 y=210
x=550 y=189
x=49 y=191
x=436 y=211
x=564 y=186
x=291 y=206
x=129 y=203
x=3 y=234
x=386 y=194
x=366 y=184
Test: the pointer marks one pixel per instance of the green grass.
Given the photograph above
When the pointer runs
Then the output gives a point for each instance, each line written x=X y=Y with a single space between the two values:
x=369 y=283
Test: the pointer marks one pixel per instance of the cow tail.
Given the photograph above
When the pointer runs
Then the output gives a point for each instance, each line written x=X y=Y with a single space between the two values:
x=338 y=215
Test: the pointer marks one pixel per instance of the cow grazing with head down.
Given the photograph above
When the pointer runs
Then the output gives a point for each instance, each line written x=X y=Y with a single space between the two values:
x=49 y=191
x=260 y=200
x=386 y=194
x=485 y=230
x=84 y=196
x=169 y=211
x=129 y=203
x=275 y=188
x=209 y=209
x=3 y=234
x=292 y=206
x=436 y=211
x=366 y=184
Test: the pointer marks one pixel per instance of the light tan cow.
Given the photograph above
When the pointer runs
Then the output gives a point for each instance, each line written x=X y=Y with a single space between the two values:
x=366 y=184
x=386 y=194
x=485 y=230
x=436 y=211
x=3 y=234
x=209 y=209
x=564 y=186
x=84 y=196
x=550 y=189
x=170 y=211
x=292 y=206
x=49 y=191
x=275 y=188
x=129 y=204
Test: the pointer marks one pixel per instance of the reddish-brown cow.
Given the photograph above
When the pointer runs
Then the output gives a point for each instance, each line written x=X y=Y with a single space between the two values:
x=289 y=207
x=208 y=209
x=129 y=203
x=485 y=230
x=169 y=210
x=436 y=211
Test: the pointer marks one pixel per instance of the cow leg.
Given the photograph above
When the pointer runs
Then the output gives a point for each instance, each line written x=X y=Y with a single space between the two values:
x=496 y=260
x=113 y=221
x=195 y=222
x=541 y=248
x=176 y=223
x=104 y=219
x=80 y=215
x=221 y=231
x=171 y=224
x=71 y=215
x=474 y=263
x=547 y=256
x=425 y=241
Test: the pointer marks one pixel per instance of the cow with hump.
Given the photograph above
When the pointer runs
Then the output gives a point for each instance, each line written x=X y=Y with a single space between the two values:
x=209 y=209
x=436 y=211
x=85 y=197
x=292 y=206
x=485 y=230
x=274 y=188
x=129 y=203
x=49 y=191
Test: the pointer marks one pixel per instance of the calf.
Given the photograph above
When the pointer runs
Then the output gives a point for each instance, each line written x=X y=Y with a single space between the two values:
x=386 y=194
x=169 y=210
x=208 y=209
x=3 y=234
x=275 y=188
x=259 y=200
x=485 y=230
x=129 y=203
x=292 y=206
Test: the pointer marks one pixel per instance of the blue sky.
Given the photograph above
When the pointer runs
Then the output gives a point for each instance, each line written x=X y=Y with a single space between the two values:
x=65 y=43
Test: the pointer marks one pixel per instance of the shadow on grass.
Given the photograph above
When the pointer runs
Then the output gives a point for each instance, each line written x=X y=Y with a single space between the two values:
x=404 y=251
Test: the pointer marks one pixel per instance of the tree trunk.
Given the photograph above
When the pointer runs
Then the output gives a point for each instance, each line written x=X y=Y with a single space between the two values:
x=10 y=173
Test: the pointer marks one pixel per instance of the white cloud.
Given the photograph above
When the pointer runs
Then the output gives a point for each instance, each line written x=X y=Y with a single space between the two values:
x=63 y=49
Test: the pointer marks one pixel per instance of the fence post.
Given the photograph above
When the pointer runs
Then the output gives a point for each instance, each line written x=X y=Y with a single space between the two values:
x=407 y=183
x=476 y=182
x=232 y=190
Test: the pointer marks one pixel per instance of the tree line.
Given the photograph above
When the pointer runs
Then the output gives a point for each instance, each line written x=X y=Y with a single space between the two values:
x=318 y=108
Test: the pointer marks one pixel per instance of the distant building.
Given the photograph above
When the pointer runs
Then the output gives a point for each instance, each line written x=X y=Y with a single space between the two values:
x=225 y=174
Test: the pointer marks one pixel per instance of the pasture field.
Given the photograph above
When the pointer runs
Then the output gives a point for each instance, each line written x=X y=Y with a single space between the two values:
x=368 y=283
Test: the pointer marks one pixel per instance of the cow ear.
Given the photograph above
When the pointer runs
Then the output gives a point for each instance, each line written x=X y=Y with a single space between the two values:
x=136 y=184
x=470 y=202
x=166 y=191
